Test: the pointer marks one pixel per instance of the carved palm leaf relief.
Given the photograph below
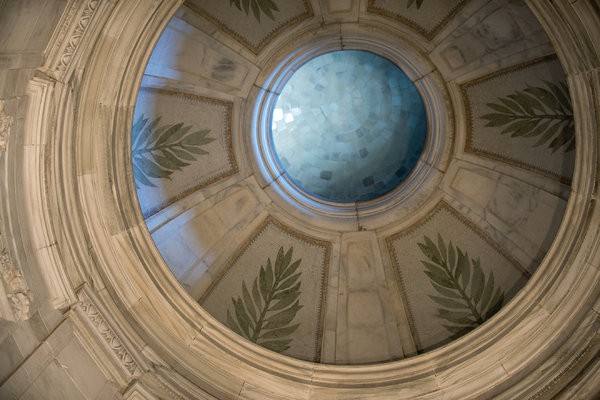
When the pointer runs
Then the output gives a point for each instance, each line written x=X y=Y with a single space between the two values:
x=264 y=313
x=411 y=2
x=543 y=112
x=466 y=298
x=257 y=6
x=159 y=151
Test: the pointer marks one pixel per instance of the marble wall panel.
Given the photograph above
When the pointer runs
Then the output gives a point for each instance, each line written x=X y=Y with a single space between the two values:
x=186 y=55
x=425 y=16
x=535 y=214
x=525 y=218
x=452 y=275
x=60 y=367
x=340 y=10
x=366 y=326
x=180 y=143
x=523 y=116
x=174 y=251
x=272 y=291
x=339 y=6
x=27 y=25
x=19 y=340
x=498 y=32
x=63 y=387
x=187 y=239
x=257 y=23
x=13 y=82
x=10 y=353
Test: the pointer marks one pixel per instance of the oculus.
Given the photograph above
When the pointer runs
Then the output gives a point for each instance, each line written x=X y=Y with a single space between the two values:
x=348 y=126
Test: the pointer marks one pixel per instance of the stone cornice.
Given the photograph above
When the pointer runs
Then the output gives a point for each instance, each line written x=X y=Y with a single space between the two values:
x=99 y=322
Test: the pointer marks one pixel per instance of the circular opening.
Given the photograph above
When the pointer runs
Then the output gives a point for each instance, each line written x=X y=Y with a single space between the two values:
x=348 y=126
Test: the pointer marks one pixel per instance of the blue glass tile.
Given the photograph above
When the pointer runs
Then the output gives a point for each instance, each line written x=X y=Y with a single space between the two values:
x=348 y=126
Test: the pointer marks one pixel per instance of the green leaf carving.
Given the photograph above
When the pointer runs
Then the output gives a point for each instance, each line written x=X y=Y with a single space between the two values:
x=543 y=112
x=465 y=296
x=411 y=2
x=264 y=314
x=159 y=151
x=257 y=6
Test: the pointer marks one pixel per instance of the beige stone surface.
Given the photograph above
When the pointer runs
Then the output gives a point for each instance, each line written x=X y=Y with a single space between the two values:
x=110 y=319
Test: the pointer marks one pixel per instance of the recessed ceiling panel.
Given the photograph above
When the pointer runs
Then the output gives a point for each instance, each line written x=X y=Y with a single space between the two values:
x=252 y=22
x=272 y=291
x=453 y=277
x=180 y=143
x=523 y=116
x=427 y=17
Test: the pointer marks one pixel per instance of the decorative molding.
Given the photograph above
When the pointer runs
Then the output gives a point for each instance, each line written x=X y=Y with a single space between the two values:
x=168 y=387
x=73 y=27
x=576 y=363
x=5 y=124
x=78 y=32
x=34 y=181
x=107 y=333
x=138 y=392
x=544 y=391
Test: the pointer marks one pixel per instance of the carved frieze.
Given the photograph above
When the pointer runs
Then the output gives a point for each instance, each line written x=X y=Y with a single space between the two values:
x=107 y=333
x=67 y=39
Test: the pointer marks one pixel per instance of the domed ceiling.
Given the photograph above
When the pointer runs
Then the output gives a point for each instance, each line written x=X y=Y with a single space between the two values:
x=348 y=126
x=353 y=280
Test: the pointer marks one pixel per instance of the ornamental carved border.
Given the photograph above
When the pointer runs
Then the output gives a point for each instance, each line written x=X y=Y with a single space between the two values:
x=94 y=315
x=66 y=40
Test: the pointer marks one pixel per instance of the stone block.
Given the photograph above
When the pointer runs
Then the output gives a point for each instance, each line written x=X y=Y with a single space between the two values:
x=10 y=355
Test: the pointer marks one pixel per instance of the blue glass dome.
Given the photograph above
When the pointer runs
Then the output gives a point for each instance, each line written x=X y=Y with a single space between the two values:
x=348 y=126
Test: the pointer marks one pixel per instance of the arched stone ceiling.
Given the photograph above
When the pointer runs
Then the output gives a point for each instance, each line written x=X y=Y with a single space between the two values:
x=123 y=320
x=408 y=276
